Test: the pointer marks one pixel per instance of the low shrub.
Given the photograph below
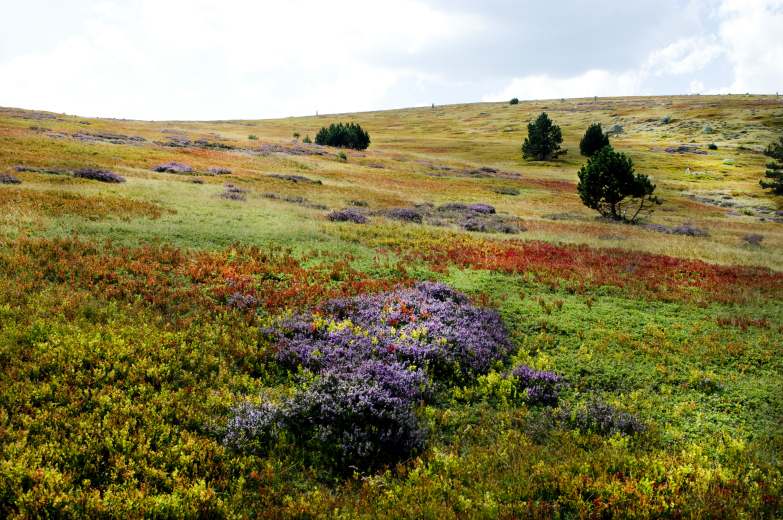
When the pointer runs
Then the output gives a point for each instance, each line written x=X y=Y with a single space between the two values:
x=604 y=419
x=7 y=178
x=172 y=167
x=507 y=190
x=514 y=101
x=218 y=170
x=712 y=146
x=347 y=215
x=253 y=137
x=484 y=209
x=539 y=387
x=231 y=192
x=98 y=175
x=405 y=215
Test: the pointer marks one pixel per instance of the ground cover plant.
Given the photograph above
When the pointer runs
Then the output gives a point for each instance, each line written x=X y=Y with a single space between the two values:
x=243 y=347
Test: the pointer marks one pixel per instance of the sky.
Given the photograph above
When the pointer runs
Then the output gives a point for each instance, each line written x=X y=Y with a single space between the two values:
x=230 y=59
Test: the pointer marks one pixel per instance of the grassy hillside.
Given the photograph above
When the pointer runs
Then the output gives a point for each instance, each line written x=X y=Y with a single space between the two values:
x=130 y=313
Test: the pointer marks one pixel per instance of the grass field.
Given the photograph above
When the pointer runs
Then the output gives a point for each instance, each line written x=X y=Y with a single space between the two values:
x=124 y=354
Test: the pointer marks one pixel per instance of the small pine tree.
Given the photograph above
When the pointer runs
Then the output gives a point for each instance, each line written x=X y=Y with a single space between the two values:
x=514 y=101
x=774 y=168
x=608 y=184
x=543 y=139
x=593 y=140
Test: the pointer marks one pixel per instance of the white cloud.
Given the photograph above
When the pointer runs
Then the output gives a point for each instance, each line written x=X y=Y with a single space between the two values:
x=752 y=32
x=748 y=39
x=683 y=56
x=588 y=84
x=235 y=58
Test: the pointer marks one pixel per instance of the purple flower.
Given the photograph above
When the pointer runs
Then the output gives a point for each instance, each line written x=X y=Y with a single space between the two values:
x=347 y=215
x=98 y=175
x=540 y=387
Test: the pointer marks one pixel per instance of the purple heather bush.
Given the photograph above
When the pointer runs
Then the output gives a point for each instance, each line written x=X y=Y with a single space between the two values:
x=430 y=325
x=346 y=421
x=98 y=175
x=241 y=301
x=484 y=209
x=173 y=167
x=217 y=170
x=231 y=192
x=540 y=387
x=600 y=417
x=405 y=215
x=347 y=215
x=375 y=357
x=7 y=178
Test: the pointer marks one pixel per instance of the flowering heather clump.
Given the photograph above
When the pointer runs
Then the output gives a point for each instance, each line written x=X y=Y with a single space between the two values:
x=603 y=418
x=232 y=192
x=173 y=167
x=430 y=326
x=217 y=170
x=404 y=214
x=7 y=178
x=241 y=301
x=484 y=209
x=540 y=387
x=98 y=175
x=346 y=422
x=375 y=355
x=347 y=215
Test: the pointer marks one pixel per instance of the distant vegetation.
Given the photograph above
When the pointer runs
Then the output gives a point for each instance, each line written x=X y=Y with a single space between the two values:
x=342 y=135
x=543 y=139
x=608 y=184
x=514 y=101
x=593 y=140
x=774 y=168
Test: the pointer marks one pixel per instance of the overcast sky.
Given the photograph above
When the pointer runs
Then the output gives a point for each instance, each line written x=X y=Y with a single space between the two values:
x=221 y=59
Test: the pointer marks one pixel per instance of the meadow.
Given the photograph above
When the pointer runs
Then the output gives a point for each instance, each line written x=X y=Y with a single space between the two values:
x=631 y=371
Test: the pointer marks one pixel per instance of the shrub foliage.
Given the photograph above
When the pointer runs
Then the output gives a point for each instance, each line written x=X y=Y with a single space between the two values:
x=342 y=135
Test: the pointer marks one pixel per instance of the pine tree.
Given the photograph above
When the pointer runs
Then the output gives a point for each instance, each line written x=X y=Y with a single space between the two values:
x=608 y=184
x=774 y=168
x=593 y=140
x=543 y=139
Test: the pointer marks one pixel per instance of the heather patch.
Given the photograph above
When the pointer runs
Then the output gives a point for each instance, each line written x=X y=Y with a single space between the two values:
x=296 y=179
x=95 y=174
x=218 y=170
x=685 y=230
x=404 y=214
x=232 y=192
x=377 y=356
x=539 y=387
x=347 y=215
x=172 y=167
x=294 y=199
x=7 y=178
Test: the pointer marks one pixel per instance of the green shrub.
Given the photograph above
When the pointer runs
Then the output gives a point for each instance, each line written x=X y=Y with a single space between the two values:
x=514 y=101
x=342 y=135
x=253 y=137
